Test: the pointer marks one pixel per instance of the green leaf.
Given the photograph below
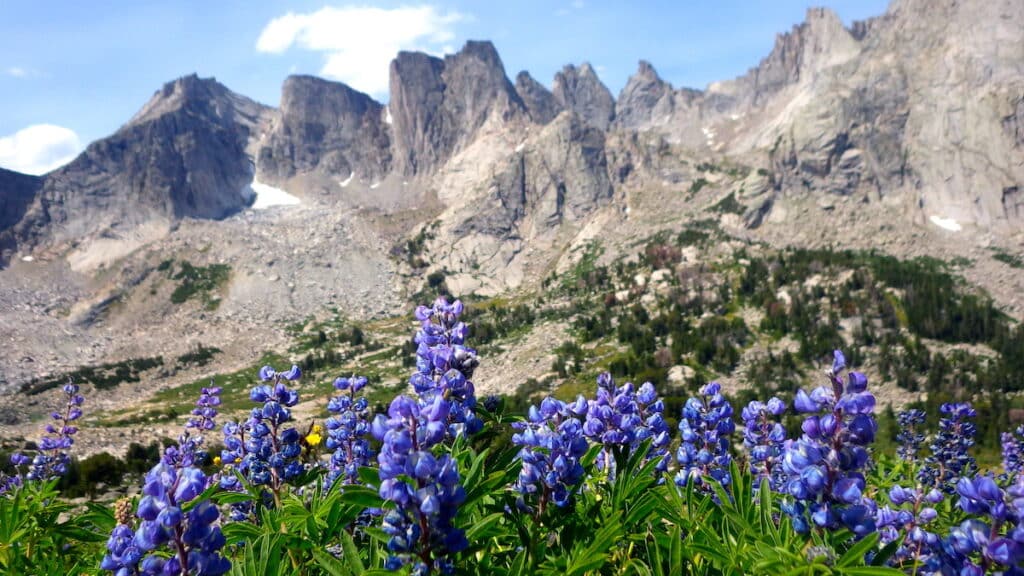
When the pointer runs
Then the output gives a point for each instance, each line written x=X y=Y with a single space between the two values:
x=329 y=563
x=855 y=555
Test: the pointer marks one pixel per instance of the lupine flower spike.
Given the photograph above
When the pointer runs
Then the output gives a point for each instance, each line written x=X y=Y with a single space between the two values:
x=262 y=449
x=825 y=467
x=705 y=428
x=764 y=438
x=348 y=431
x=950 y=458
x=552 y=443
x=625 y=417
x=444 y=364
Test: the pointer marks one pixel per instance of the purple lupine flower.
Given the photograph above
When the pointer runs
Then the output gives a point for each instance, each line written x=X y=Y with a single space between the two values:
x=824 y=467
x=552 y=443
x=52 y=459
x=950 y=458
x=764 y=439
x=203 y=419
x=262 y=449
x=194 y=538
x=445 y=365
x=704 y=442
x=910 y=438
x=1013 y=460
x=626 y=417
x=424 y=488
x=123 y=555
x=910 y=514
x=992 y=541
x=348 y=431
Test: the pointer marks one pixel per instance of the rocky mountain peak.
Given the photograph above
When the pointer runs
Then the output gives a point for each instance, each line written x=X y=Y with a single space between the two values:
x=325 y=127
x=438 y=105
x=190 y=92
x=539 y=101
x=645 y=96
x=580 y=90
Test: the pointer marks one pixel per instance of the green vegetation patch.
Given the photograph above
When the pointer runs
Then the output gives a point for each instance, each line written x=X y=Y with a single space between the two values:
x=103 y=376
x=199 y=282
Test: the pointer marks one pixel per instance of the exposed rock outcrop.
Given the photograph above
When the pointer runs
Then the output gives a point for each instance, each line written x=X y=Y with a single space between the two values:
x=560 y=176
x=580 y=90
x=539 y=101
x=328 y=128
x=438 y=105
x=183 y=155
x=17 y=191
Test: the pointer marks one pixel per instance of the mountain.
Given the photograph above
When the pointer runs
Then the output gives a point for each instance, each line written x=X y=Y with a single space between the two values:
x=325 y=127
x=183 y=155
x=902 y=133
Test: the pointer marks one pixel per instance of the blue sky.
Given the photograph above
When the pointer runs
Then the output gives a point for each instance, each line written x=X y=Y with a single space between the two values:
x=72 y=72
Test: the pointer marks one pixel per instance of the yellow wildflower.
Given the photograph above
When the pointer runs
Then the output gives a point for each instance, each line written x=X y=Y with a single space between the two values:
x=313 y=439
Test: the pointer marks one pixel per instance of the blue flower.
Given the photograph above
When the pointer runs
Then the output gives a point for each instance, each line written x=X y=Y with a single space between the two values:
x=262 y=448
x=950 y=458
x=704 y=440
x=764 y=440
x=909 y=437
x=445 y=365
x=824 y=468
x=626 y=417
x=424 y=487
x=552 y=443
x=348 y=431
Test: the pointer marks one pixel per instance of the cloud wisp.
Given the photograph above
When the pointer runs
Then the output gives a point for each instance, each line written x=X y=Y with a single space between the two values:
x=359 y=42
x=39 y=148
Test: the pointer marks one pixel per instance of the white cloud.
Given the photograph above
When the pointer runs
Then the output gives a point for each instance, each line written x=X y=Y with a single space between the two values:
x=17 y=72
x=578 y=4
x=359 y=42
x=39 y=148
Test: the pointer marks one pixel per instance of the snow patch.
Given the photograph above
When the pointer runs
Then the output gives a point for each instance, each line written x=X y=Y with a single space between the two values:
x=521 y=146
x=348 y=180
x=387 y=115
x=267 y=196
x=374 y=185
x=27 y=258
x=946 y=223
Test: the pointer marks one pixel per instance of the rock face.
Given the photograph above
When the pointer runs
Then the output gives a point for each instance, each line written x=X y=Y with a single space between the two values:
x=17 y=191
x=539 y=101
x=325 y=127
x=559 y=177
x=580 y=90
x=438 y=105
x=921 y=108
x=183 y=155
x=648 y=102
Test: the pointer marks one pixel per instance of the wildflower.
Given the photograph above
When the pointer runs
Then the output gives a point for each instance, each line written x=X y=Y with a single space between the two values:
x=624 y=416
x=175 y=483
x=348 y=431
x=553 y=442
x=194 y=538
x=52 y=459
x=704 y=442
x=424 y=488
x=1013 y=461
x=445 y=365
x=824 y=467
x=909 y=516
x=950 y=458
x=264 y=451
x=764 y=440
x=909 y=437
